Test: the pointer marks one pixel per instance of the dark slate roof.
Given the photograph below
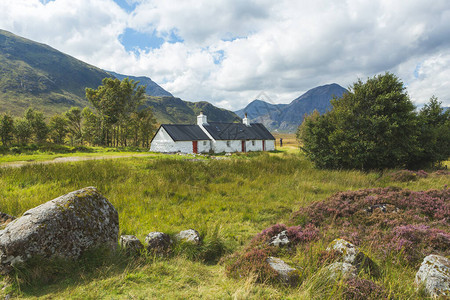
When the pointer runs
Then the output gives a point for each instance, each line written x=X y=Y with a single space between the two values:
x=238 y=131
x=185 y=132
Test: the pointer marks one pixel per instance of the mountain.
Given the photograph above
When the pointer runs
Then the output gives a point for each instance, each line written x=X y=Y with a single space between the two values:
x=287 y=117
x=175 y=110
x=153 y=89
x=258 y=108
x=34 y=74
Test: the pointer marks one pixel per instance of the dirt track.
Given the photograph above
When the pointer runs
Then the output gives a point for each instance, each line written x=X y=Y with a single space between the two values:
x=18 y=164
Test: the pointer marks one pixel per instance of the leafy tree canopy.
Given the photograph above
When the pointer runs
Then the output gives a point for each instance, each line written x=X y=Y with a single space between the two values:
x=373 y=126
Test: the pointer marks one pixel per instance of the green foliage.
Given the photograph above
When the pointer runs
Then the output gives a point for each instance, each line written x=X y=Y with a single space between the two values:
x=58 y=129
x=374 y=126
x=39 y=128
x=434 y=134
x=117 y=113
x=6 y=129
x=74 y=119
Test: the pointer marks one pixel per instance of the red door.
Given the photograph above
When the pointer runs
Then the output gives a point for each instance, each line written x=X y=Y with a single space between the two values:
x=264 y=145
x=243 y=146
x=195 y=146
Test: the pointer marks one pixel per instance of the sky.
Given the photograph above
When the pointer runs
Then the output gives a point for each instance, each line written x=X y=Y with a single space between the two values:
x=228 y=52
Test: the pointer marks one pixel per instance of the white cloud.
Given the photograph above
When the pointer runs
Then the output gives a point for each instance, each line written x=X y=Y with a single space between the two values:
x=228 y=51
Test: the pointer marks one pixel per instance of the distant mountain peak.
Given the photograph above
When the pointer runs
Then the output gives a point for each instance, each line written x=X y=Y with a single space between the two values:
x=287 y=117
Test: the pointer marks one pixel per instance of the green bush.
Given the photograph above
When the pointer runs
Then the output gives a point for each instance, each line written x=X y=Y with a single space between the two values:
x=375 y=126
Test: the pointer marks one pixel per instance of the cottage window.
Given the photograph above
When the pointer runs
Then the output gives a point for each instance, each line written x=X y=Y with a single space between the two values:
x=228 y=143
x=204 y=143
x=253 y=143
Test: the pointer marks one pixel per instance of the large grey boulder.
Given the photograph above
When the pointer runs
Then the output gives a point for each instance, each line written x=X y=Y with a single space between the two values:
x=63 y=227
x=286 y=274
x=190 y=236
x=352 y=255
x=158 y=242
x=434 y=273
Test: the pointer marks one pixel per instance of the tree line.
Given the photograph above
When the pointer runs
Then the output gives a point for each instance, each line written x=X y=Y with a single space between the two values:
x=117 y=118
x=375 y=126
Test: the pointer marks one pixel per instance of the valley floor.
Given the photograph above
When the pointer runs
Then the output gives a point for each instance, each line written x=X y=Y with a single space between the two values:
x=229 y=200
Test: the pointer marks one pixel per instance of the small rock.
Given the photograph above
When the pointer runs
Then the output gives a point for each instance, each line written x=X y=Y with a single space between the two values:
x=190 y=235
x=158 y=242
x=342 y=269
x=280 y=239
x=434 y=273
x=131 y=244
x=384 y=207
x=64 y=227
x=286 y=274
x=352 y=255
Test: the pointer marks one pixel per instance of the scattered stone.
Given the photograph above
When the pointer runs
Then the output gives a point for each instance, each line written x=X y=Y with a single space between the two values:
x=385 y=207
x=280 y=239
x=63 y=227
x=342 y=269
x=131 y=244
x=286 y=274
x=158 y=242
x=434 y=273
x=190 y=235
x=352 y=255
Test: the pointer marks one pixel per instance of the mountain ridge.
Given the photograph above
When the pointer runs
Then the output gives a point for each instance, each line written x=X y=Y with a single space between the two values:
x=287 y=117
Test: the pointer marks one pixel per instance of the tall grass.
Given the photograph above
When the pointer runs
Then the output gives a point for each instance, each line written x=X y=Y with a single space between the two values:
x=228 y=201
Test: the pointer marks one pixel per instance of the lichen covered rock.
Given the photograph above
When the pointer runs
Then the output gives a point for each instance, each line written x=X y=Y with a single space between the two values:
x=190 y=236
x=341 y=269
x=352 y=255
x=63 y=227
x=131 y=244
x=158 y=242
x=286 y=274
x=434 y=273
x=280 y=239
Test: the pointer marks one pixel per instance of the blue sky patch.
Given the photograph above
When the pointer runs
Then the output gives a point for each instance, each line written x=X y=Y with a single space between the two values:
x=127 y=5
x=416 y=70
x=134 y=40
x=45 y=1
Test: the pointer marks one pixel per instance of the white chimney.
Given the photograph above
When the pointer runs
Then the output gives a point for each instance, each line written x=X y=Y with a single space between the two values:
x=201 y=119
x=245 y=120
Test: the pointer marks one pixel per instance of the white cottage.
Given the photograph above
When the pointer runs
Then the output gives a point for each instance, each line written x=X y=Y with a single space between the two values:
x=212 y=137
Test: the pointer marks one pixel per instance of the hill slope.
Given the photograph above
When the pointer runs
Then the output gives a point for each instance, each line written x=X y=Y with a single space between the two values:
x=174 y=110
x=34 y=74
x=284 y=117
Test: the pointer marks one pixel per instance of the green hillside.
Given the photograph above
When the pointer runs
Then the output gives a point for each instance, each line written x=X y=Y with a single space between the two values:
x=34 y=74
x=174 y=110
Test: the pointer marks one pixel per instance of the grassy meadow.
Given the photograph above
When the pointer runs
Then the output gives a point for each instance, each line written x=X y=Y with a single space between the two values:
x=228 y=200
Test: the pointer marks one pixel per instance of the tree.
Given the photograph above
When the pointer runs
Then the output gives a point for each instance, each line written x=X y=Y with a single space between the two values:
x=23 y=130
x=92 y=127
x=6 y=129
x=114 y=101
x=373 y=126
x=37 y=123
x=434 y=134
x=74 y=119
x=58 y=129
